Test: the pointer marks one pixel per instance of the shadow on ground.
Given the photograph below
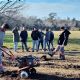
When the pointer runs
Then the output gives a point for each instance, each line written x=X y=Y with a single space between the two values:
x=42 y=76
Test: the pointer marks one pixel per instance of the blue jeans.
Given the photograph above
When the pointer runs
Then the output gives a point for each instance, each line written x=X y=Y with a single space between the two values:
x=15 y=46
x=0 y=56
x=24 y=45
x=51 y=44
x=46 y=43
x=61 y=49
x=35 y=42
x=1 y=66
x=40 y=42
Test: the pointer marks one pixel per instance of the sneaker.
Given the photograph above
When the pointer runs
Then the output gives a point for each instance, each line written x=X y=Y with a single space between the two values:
x=36 y=50
x=51 y=54
x=28 y=51
x=62 y=57
x=32 y=50
x=44 y=49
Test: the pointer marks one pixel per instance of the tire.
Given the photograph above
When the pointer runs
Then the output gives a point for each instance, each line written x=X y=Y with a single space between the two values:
x=24 y=74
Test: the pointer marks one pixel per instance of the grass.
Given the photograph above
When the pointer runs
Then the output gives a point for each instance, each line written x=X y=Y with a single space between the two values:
x=74 y=40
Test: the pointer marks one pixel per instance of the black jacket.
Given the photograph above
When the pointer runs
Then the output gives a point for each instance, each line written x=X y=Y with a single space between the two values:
x=24 y=36
x=63 y=38
x=35 y=35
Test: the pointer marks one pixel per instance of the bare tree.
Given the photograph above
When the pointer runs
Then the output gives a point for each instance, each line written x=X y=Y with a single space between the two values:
x=52 y=15
x=10 y=7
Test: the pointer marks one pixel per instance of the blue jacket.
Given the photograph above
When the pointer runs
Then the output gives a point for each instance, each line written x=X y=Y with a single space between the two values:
x=41 y=35
x=47 y=36
x=51 y=36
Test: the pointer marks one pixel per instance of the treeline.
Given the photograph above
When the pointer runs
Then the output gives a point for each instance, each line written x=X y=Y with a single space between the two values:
x=30 y=22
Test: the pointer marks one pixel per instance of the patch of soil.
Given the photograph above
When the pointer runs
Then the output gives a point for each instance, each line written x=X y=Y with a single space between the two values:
x=52 y=68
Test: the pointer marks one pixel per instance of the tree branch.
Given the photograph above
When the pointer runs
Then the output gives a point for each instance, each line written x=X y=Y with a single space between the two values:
x=10 y=5
x=3 y=6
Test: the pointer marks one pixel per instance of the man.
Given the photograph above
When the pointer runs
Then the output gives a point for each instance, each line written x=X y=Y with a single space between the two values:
x=62 y=41
x=51 y=39
x=15 y=38
x=24 y=36
x=46 y=40
x=41 y=35
x=3 y=28
x=35 y=37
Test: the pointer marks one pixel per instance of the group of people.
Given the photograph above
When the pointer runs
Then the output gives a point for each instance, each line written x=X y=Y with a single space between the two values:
x=20 y=37
x=46 y=40
x=38 y=37
x=43 y=39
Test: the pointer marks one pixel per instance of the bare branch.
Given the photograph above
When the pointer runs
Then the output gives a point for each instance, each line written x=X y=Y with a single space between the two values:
x=9 y=6
x=1 y=2
x=3 y=6
x=14 y=9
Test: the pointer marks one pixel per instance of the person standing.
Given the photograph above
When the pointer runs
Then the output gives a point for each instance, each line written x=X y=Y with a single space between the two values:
x=15 y=38
x=35 y=37
x=62 y=41
x=51 y=40
x=41 y=35
x=24 y=37
x=3 y=28
x=46 y=40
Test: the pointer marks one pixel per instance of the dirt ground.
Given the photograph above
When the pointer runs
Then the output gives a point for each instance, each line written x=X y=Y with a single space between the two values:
x=52 y=68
